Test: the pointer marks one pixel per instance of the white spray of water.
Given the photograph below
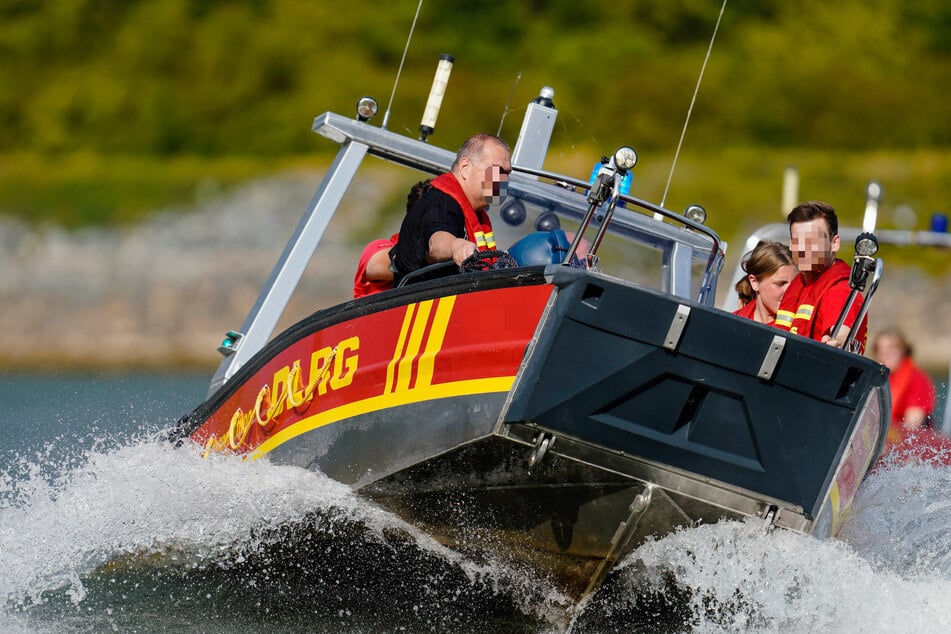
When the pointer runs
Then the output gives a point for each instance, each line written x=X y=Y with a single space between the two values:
x=150 y=497
x=142 y=499
x=890 y=571
x=903 y=523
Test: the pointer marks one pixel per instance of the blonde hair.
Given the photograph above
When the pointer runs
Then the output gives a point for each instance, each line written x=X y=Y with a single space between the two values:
x=766 y=258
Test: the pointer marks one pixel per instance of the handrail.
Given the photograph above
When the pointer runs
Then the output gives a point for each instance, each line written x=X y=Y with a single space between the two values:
x=714 y=260
x=643 y=204
x=876 y=278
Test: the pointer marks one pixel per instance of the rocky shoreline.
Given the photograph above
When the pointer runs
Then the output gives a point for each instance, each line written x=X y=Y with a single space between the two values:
x=160 y=295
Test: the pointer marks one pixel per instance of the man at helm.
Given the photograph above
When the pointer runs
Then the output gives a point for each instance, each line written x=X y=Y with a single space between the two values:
x=449 y=221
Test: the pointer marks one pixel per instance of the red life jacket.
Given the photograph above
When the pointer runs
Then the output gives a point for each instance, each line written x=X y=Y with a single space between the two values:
x=478 y=225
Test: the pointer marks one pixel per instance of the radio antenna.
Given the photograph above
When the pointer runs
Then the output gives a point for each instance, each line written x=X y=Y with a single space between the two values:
x=409 y=38
x=693 y=100
x=508 y=103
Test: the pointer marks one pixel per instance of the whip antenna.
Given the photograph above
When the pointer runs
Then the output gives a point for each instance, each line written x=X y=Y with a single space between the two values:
x=508 y=103
x=409 y=38
x=690 y=109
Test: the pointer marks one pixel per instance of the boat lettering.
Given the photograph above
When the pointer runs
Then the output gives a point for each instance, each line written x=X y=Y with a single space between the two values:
x=328 y=369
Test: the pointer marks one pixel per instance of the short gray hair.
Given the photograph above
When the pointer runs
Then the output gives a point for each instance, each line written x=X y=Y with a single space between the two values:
x=475 y=146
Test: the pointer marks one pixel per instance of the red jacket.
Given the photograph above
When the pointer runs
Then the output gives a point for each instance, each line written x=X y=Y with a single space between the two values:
x=812 y=309
x=747 y=310
x=910 y=387
x=361 y=285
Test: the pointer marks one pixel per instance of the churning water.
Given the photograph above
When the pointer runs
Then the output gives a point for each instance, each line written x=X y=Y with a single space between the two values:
x=105 y=526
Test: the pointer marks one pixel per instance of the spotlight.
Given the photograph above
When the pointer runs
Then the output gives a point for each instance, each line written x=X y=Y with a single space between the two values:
x=366 y=108
x=696 y=213
x=866 y=245
x=625 y=158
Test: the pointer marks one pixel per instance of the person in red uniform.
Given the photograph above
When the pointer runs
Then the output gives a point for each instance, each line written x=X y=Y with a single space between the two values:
x=449 y=221
x=816 y=297
x=913 y=393
x=769 y=269
x=373 y=270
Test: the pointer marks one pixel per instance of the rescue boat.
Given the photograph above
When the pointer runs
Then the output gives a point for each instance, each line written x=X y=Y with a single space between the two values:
x=548 y=414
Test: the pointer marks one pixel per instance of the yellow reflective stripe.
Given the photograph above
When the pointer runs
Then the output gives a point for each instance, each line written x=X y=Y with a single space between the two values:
x=805 y=311
x=484 y=240
x=784 y=318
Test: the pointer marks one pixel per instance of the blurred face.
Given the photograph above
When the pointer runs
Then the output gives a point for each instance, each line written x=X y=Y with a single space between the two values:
x=770 y=289
x=495 y=184
x=812 y=247
x=486 y=178
x=889 y=352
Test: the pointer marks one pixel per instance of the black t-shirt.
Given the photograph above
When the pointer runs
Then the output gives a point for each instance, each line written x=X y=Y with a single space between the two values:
x=434 y=211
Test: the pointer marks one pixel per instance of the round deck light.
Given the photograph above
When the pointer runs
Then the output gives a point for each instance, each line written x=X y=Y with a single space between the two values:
x=366 y=108
x=866 y=245
x=625 y=158
x=696 y=213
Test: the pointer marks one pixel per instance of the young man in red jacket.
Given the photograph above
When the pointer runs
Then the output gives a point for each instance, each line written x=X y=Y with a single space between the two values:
x=815 y=298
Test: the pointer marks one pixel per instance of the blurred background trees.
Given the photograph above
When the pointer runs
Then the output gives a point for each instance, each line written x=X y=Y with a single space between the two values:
x=112 y=108
x=216 y=77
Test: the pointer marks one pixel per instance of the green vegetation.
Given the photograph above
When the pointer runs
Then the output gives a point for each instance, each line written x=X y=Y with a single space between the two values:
x=112 y=108
x=80 y=189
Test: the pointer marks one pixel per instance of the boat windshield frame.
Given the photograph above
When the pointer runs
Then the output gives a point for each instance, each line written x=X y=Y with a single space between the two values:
x=681 y=245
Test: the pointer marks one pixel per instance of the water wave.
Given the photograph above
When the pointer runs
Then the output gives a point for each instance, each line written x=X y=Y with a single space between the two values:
x=116 y=536
x=890 y=570
x=149 y=537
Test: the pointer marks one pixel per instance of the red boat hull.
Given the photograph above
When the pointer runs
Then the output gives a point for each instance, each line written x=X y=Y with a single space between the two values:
x=433 y=349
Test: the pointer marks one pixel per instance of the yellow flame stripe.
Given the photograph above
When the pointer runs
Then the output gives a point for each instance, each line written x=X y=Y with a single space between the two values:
x=405 y=372
x=400 y=342
x=384 y=401
x=424 y=373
